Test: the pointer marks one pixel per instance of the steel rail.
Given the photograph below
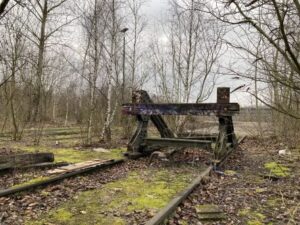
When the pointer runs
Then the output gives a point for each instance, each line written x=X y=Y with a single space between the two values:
x=60 y=177
x=167 y=211
x=171 y=207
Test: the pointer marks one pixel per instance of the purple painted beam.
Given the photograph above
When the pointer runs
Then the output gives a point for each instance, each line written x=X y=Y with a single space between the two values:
x=181 y=109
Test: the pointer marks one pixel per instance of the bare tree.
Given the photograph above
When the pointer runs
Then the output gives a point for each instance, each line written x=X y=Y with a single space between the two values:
x=137 y=25
x=95 y=25
x=193 y=43
x=13 y=59
x=265 y=36
x=276 y=25
x=3 y=5
x=114 y=30
x=44 y=17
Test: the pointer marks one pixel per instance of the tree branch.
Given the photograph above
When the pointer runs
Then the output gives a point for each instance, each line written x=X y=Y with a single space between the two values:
x=3 y=5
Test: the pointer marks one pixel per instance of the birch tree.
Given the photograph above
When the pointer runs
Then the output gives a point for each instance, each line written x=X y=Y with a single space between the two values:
x=112 y=70
x=193 y=44
x=95 y=26
x=137 y=25
x=13 y=60
x=43 y=26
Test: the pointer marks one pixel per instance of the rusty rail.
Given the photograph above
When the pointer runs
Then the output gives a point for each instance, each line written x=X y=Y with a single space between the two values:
x=165 y=213
x=60 y=177
x=170 y=208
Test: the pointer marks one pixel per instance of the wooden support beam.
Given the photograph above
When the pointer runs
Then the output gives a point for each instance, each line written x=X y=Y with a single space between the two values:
x=226 y=139
x=142 y=97
x=227 y=109
x=145 y=110
x=223 y=95
x=29 y=166
x=198 y=136
x=203 y=138
x=26 y=159
x=176 y=142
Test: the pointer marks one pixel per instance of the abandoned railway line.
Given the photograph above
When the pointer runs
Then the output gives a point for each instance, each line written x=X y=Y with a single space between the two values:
x=217 y=146
x=165 y=213
x=161 y=216
x=60 y=177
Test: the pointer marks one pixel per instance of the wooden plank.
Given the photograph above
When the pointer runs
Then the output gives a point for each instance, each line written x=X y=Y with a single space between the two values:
x=195 y=136
x=177 y=142
x=142 y=97
x=223 y=95
x=38 y=165
x=25 y=159
x=75 y=166
x=182 y=109
x=202 y=138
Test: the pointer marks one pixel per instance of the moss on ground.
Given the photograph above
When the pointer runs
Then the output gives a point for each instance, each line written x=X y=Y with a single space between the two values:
x=71 y=155
x=254 y=222
x=254 y=178
x=253 y=217
x=274 y=202
x=230 y=172
x=276 y=169
x=146 y=190
x=32 y=181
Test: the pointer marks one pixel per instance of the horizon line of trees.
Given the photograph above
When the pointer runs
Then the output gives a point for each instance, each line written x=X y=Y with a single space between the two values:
x=64 y=61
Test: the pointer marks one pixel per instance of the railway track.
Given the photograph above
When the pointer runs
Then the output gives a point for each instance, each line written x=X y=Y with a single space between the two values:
x=60 y=177
x=159 y=218
x=170 y=208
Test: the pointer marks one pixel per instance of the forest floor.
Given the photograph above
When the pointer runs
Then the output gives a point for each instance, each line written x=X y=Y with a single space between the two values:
x=129 y=193
x=256 y=186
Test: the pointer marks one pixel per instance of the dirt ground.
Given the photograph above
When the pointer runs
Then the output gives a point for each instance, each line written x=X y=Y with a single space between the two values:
x=130 y=193
x=257 y=186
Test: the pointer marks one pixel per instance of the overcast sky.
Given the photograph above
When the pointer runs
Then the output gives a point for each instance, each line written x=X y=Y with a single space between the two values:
x=155 y=11
x=154 y=8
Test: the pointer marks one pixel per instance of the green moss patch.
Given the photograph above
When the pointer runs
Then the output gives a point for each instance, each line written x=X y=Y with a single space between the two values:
x=32 y=181
x=274 y=202
x=140 y=192
x=276 y=169
x=230 y=172
x=254 y=222
x=254 y=178
x=71 y=155
x=253 y=217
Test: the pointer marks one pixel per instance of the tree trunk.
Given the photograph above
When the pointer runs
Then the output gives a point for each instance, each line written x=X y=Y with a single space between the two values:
x=40 y=65
x=106 y=132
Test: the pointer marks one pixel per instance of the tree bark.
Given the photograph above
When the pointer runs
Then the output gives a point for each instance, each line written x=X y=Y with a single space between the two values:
x=3 y=6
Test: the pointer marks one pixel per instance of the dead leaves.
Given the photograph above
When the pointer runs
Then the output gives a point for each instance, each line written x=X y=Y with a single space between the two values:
x=241 y=188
